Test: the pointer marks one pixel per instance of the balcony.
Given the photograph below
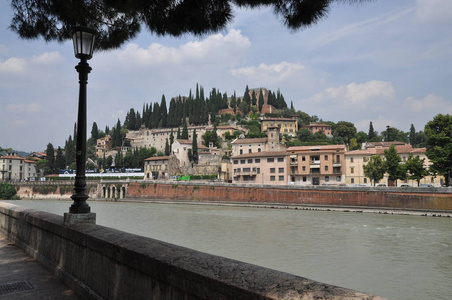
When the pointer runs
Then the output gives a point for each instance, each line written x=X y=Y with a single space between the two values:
x=246 y=172
x=314 y=162
x=294 y=163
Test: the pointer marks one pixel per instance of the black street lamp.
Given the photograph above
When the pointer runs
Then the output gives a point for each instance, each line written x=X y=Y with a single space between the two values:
x=83 y=39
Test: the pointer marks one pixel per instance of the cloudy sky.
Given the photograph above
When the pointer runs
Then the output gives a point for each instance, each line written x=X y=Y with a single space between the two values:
x=389 y=62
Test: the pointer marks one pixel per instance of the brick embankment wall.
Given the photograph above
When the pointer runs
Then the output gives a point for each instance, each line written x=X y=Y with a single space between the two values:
x=103 y=263
x=52 y=190
x=396 y=198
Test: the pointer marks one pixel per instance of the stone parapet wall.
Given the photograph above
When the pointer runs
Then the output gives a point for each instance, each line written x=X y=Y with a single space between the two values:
x=103 y=263
x=395 y=198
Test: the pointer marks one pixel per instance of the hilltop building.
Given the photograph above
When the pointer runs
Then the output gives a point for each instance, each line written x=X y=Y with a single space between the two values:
x=286 y=125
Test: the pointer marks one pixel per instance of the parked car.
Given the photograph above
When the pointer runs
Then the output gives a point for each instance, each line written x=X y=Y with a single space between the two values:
x=405 y=185
x=428 y=185
x=381 y=185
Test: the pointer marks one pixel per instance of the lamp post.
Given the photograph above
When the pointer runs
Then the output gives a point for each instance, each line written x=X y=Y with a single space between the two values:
x=83 y=39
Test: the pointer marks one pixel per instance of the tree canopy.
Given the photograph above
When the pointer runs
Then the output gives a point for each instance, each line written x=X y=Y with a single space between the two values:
x=118 y=21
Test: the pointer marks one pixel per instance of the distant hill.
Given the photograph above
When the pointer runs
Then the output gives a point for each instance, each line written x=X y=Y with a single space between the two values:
x=20 y=153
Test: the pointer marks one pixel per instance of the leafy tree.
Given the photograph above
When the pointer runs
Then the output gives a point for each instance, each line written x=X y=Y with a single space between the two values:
x=393 y=167
x=439 y=145
x=7 y=191
x=344 y=130
x=60 y=161
x=414 y=166
x=94 y=132
x=184 y=134
x=354 y=144
x=305 y=135
x=375 y=169
x=393 y=134
x=50 y=152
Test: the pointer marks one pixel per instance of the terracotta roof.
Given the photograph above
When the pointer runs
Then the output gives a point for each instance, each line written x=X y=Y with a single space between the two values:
x=320 y=147
x=261 y=154
x=181 y=141
x=279 y=119
x=12 y=157
x=370 y=151
x=250 y=141
x=158 y=158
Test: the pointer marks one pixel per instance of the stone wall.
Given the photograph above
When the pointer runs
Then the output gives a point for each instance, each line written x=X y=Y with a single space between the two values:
x=396 y=198
x=103 y=263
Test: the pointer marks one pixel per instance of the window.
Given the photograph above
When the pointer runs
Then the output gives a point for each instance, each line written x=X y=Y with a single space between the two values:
x=351 y=159
x=249 y=150
x=242 y=161
x=246 y=170
x=281 y=170
x=365 y=180
x=303 y=168
x=236 y=161
x=303 y=158
x=326 y=168
x=270 y=160
x=304 y=178
x=327 y=178
x=258 y=149
x=272 y=170
x=258 y=170
x=241 y=151
x=272 y=178
x=250 y=161
x=257 y=160
x=281 y=178
x=326 y=157
x=280 y=159
x=338 y=178
x=352 y=170
x=352 y=180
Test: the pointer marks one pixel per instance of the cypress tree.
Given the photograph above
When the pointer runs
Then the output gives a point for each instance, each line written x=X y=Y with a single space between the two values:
x=184 y=134
x=261 y=101
x=50 y=152
x=195 y=147
x=167 y=148
x=163 y=113
x=371 y=134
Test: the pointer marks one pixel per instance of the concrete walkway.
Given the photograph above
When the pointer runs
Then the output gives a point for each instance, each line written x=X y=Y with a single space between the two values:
x=21 y=277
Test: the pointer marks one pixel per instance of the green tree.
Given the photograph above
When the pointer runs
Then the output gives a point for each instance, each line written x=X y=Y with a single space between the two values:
x=60 y=161
x=195 y=147
x=344 y=130
x=119 y=21
x=94 y=132
x=372 y=134
x=7 y=191
x=375 y=169
x=50 y=157
x=392 y=164
x=439 y=145
x=414 y=166
x=167 y=148
x=184 y=134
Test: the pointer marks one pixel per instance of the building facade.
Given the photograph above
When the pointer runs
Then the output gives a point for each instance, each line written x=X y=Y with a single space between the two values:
x=316 y=127
x=286 y=125
x=316 y=165
x=157 y=168
x=16 y=168
x=269 y=144
x=260 y=168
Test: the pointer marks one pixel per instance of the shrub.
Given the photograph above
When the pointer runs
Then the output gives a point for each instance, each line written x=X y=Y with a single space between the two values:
x=7 y=191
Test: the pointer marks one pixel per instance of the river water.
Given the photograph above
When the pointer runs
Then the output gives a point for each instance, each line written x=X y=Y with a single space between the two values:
x=395 y=256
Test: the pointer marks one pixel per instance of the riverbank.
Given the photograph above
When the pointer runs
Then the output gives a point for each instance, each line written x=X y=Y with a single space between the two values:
x=384 y=211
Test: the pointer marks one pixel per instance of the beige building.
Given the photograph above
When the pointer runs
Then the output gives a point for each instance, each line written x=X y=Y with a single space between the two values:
x=355 y=160
x=156 y=168
x=16 y=168
x=286 y=125
x=316 y=165
x=103 y=145
x=147 y=138
x=268 y=144
x=260 y=168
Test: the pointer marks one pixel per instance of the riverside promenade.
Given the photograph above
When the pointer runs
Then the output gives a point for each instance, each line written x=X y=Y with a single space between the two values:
x=22 y=277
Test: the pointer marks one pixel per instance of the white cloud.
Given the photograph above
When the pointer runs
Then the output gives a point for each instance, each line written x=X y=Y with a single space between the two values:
x=357 y=94
x=430 y=103
x=218 y=47
x=47 y=58
x=433 y=11
x=13 y=65
x=277 y=72
x=32 y=107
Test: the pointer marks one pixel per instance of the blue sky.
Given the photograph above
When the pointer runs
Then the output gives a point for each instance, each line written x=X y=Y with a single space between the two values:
x=385 y=61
